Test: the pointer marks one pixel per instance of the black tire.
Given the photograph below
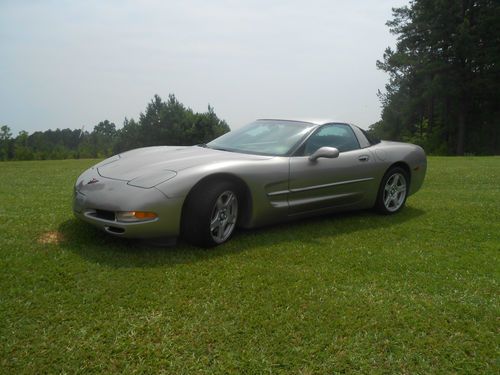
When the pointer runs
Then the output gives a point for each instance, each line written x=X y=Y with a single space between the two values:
x=206 y=222
x=393 y=191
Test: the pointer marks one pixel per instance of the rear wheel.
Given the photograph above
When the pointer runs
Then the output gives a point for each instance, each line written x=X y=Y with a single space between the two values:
x=393 y=191
x=210 y=214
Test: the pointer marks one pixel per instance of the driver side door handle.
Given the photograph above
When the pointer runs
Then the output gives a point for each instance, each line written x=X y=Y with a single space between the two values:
x=364 y=158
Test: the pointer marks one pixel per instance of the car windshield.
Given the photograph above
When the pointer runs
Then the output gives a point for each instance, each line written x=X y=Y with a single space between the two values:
x=265 y=137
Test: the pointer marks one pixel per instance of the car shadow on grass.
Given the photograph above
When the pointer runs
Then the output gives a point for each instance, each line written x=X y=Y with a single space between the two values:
x=99 y=247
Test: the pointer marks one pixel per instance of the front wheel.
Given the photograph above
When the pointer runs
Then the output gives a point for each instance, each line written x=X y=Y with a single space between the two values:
x=210 y=215
x=393 y=191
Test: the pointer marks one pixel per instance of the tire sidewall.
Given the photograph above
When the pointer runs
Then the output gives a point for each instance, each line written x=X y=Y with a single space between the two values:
x=197 y=213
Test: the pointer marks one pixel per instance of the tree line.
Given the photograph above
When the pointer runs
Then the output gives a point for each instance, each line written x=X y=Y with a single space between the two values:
x=162 y=123
x=444 y=87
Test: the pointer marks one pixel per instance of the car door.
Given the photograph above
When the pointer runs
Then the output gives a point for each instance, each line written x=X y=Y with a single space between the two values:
x=330 y=182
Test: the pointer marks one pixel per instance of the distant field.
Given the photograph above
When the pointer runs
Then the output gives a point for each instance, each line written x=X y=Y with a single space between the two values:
x=417 y=292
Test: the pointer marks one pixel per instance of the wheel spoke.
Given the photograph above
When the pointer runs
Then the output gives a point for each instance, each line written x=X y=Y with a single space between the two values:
x=220 y=231
x=220 y=203
x=387 y=200
x=229 y=201
x=389 y=182
x=214 y=224
x=395 y=181
x=396 y=201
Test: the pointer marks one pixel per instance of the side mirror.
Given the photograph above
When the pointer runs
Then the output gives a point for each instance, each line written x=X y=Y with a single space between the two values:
x=324 y=152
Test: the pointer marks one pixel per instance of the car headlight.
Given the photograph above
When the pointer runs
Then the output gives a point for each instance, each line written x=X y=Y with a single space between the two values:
x=152 y=179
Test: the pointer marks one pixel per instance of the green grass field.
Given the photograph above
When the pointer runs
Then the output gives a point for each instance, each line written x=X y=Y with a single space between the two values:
x=413 y=293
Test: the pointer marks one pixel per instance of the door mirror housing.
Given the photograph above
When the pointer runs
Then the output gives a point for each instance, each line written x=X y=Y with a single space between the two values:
x=324 y=152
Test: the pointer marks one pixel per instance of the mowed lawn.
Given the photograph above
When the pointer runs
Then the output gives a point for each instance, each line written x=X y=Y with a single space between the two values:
x=416 y=292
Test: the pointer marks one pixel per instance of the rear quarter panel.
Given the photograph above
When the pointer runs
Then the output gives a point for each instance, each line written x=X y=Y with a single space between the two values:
x=390 y=153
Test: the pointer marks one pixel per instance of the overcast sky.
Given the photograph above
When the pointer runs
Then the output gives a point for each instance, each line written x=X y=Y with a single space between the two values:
x=75 y=63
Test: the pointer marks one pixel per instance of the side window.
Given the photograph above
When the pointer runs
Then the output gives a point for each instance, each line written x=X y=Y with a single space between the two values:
x=363 y=141
x=339 y=136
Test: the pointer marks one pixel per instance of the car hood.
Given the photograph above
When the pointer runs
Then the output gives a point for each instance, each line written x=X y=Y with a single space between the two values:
x=150 y=161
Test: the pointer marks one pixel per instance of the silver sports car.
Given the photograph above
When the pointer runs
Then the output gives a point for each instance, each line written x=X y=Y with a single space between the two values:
x=266 y=172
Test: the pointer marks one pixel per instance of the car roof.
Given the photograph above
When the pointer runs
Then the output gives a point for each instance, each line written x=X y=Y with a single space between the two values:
x=315 y=121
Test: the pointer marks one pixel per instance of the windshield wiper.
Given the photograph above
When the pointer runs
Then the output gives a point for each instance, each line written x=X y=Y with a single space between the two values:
x=204 y=145
x=221 y=149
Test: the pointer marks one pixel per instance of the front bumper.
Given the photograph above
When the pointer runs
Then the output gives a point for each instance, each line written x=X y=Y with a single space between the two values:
x=97 y=202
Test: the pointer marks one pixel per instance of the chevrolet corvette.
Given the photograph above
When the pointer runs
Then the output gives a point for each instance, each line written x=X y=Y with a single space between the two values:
x=267 y=172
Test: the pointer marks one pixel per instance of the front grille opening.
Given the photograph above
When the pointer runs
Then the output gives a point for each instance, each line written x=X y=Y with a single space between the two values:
x=106 y=215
